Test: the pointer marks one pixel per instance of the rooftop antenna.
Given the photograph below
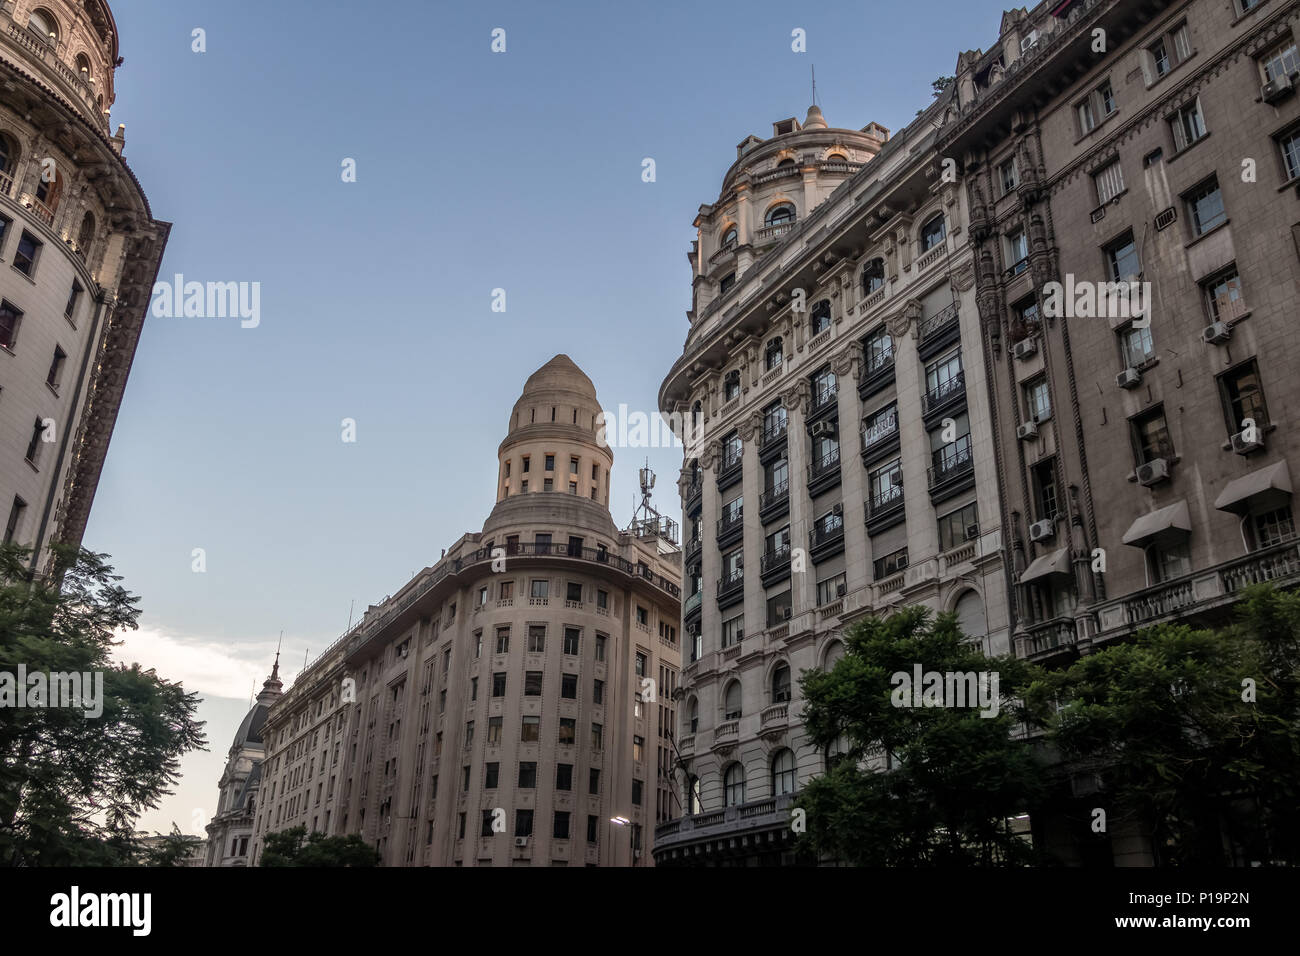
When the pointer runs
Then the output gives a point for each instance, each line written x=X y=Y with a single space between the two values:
x=814 y=83
x=351 y=608
x=647 y=519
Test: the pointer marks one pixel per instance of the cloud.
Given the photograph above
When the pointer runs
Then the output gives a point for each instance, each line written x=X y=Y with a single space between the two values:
x=216 y=668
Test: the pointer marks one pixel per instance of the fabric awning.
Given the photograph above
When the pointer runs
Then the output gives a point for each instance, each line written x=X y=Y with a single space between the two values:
x=1157 y=527
x=1056 y=563
x=1267 y=488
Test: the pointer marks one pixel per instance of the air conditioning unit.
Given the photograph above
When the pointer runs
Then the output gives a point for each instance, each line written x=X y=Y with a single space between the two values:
x=1029 y=41
x=785 y=613
x=1153 y=472
x=822 y=430
x=1129 y=378
x=838 y=510
x=972 y=532
x=1216 y=333
x=1028 y=430
x=1042 y=530
x=1243 y=447
x=841 y=589
x=902 y=562
x=1025 y=348
x=521 y=841
x=1277 y=90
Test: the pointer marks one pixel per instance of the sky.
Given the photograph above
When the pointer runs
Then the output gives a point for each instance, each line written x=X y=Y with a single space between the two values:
x=475 y=171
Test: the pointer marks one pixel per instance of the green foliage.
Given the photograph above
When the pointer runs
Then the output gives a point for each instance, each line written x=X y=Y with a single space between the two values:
x=174 y=850
x=1183 y=753
x=288 y=848
x=72 y=786
x=941 y=84
x=955 y=777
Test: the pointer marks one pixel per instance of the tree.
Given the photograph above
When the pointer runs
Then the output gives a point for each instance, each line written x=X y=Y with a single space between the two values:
x=287 y=848
x=1196 y=732
x=941 y=84
x=175 y=849
x=917 y=786
x=72 y=785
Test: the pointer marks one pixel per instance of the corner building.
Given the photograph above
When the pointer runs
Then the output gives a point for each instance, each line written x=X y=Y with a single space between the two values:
x=1171 y=157
x=79 y=252
x=512 y=699
x=846 y=467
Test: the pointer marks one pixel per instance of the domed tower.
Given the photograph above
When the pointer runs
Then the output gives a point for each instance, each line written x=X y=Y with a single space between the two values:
x=84 y=248
x=553 y=441
x=231 y=829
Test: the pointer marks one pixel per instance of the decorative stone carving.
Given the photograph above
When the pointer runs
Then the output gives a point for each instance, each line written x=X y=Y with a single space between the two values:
x=847 y=362
x=964 y=277
x=795 y=398
x=901 y=322
x=749 y=426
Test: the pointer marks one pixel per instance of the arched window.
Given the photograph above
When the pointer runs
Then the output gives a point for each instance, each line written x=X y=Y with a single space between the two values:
x=781 y=683
x=83 y=66
x=734 y=782
x=873 y=276
x=50 y=192
x=9 y=155
x=821 y=316
x=729 y=236
x=731 y=386
x=779 y=214
x=785 y=163
x=836 y=158
x=933 y=232
x=693 y=715
x=833 y=653
x=42 y=23
x=85 y=236
x=970 y=617
x=731 y=702
x=782 y=772
x=692 y=794
x=774 y=355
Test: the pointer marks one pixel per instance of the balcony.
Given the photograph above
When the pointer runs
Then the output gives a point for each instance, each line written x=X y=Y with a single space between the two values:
x=731 y=527
x=827 y=537
x=775 y=717
x=952 y=471
x=1050 y=639
x=731 y=588
x=694 y=497
x=774 y=502
x=772 y=233
x=773 y=440
x=938 y=332
x=775 y=565
x=692 y=604
x=885 y=509
x=730 y=468
x=691 y=549
x=686 y=746
x=1198 y=594
x=735 y=834
x=944 y=398
x=824 y=402
x=824 y=472
x=877 y=374
x=880 y=438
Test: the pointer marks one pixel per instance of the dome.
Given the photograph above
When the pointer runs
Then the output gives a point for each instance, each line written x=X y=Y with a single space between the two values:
x=250 y=731
x=560 y=374
x=815 y=119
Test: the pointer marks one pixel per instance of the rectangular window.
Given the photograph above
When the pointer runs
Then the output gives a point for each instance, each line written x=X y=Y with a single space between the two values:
x=1290 y=146
x=1017 y=252
x=493 y=773
x=593 y=828
x=561 y=828
x=600 y=647
x=733 y=630
x=532 y=683
x=1109 y=181
x=568 y=731
x=637 y=787
x=958 y=527
x=1008 y=176
x=15 y=519
x=26 y=254
x=638 y=749
x=550 y=462
x=1205 y=207
x=523 y=823
x=1135 y=346
x=506 y=591
x=889 y=564
x=1243 y=397
x=1122 y=259
x=879 y=349
x=572 y=641
x=1043 y=477
x=597 y=736
x=494 y=731
x=540 y=590
x=1223 y=296
x=1188 y=124
x=1170 y=561
x=1038 y=403
x=530 y=729
x=1281 y=61
x=528 y=774
x=831 y=589
x=537 y=638
x=499 y=684
x=56 y=368
x=9 y=319
x=598 y=692
x=74 y=296
x=569 y=686
x=640 y=668
x=1150 y=436
x=1274 y=527
x=564 y=776
x=34 y=446
x=503 y=640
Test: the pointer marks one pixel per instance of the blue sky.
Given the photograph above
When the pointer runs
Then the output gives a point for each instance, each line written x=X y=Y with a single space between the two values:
x=475 y=171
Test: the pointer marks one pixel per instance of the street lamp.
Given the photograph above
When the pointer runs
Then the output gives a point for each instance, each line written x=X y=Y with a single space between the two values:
x=618 y=821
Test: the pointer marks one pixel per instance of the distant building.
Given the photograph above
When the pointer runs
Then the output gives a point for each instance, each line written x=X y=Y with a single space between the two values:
x=231 y=828
x=509 y=702
x=82 y=250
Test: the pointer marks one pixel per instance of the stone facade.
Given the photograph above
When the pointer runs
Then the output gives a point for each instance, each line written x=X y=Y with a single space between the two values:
x=846 y=464
x=82 y=249
x=512 y=700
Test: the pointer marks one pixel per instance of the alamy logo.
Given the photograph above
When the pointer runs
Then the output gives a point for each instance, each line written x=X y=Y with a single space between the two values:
x=1098 y=300
x=213 y=300
x=75 y=909
x=636 y=429
x=80 y=691
x=948 y=689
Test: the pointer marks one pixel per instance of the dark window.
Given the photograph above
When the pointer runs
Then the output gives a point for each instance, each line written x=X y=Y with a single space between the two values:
x=568 y=731
x=1205 y=207
x=564 y=776
x=889 y=564
x=561 y=829
x=493 y=774
x=933 y=233
x=572 y=640
x=499 y=684
x=523 y=823
x=636 y=793
x=528 y=775
x=569 y=686
x=1151 y=436
x=1243 y=397
x=530 y=730
x=873 y=276
x=9 y=319
x=593 y=781
x=25 y=255
x=15 y=519
x=598 y=692
x=74 y=296
x=821 y=316
x=536 y=638
x=958 y=527
x=533 y=684
x=34 y=446
x=1044 y=479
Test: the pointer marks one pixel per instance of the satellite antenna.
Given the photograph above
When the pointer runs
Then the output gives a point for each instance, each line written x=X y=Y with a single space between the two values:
x=646 y=520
